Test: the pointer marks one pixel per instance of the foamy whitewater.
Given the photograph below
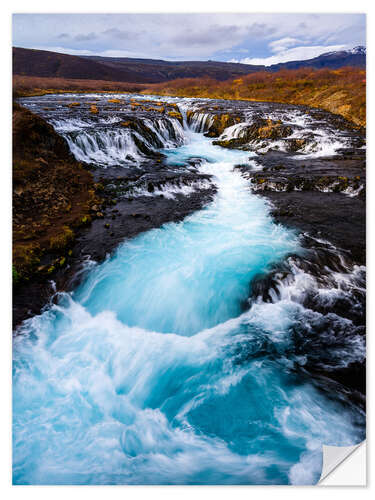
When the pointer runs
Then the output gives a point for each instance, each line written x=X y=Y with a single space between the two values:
x=156 y=371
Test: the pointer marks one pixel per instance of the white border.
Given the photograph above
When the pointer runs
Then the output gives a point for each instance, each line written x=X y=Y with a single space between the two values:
x=348 y=472
x=156 y=492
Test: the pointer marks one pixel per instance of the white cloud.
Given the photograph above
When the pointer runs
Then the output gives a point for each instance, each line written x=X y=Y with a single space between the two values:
x=283 y=44
x=64 y=50
x=292 y=54
x=187 y=36
x=83 y=52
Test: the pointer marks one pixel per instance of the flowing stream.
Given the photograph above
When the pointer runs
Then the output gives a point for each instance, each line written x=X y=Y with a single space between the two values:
x=156 y=370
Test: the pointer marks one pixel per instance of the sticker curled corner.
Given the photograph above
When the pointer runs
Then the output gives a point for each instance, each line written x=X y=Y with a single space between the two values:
x=340 y=457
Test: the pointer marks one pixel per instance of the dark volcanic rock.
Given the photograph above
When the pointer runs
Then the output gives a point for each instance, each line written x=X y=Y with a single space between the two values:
x=86 y=214
x=330 y=216
x=324 y=197
x=52 y=195
x=258 y=131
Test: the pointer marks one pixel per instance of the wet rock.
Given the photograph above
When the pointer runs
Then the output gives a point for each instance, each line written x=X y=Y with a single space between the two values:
x=220 y=123
x=175 y=114
x=257 y=132
x=294 y=145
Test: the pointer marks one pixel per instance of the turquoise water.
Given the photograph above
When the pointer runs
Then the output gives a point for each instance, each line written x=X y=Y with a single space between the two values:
x=154 y=371
x=185 y=277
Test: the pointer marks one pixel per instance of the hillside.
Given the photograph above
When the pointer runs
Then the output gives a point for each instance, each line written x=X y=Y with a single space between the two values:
x=41 y=63
x=341 y=91
x=52 y=195
x=24 y=86
x=331 y=60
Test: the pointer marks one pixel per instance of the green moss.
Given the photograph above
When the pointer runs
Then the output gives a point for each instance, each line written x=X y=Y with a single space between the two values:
x=225 y=144
x=175 y=114
x=86 y=219
x=26 y=257
x=61 y=240
x=15 y=275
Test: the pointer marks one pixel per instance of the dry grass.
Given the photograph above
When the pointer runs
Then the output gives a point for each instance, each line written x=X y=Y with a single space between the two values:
x=341 y=91
x=32 y=85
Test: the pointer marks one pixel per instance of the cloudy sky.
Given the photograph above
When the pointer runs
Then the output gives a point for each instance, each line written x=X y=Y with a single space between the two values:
x=249 y=38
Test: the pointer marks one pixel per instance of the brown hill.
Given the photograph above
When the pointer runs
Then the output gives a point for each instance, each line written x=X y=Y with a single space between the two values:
x=341 y=91
x=42 y=63
x=29 y=62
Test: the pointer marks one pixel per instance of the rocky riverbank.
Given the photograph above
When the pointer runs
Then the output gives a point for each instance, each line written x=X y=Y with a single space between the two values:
x=341 y=91
x=325 y=197
x=66 y=212
x=310 y=165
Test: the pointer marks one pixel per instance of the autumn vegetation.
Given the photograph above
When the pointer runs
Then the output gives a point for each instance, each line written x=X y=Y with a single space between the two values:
x=24 y=86
x=52 y=196
x=341 y=91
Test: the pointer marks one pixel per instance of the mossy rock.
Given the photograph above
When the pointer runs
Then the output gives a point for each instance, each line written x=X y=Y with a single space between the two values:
x=62 y=261
x=16 y=277
x=175 y=114
x=220 y=123
x=61 y=240
x=84 y=221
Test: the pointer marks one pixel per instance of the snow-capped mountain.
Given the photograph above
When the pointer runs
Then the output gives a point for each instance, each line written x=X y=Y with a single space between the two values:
x=333 y=60
x=27 y=62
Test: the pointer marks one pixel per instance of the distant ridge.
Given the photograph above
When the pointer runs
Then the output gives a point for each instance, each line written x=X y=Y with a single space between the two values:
x=42 y=63
x=355 y=57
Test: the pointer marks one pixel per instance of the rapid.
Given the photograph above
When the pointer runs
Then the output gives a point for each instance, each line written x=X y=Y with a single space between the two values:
x=158 y=368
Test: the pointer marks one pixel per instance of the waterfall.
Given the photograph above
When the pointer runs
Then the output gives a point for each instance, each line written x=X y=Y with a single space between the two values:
x=200 y=122
x=165 y=366
x=106 y=147
x=119 y=145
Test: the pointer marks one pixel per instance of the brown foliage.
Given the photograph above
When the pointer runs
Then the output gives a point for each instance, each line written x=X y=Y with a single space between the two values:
x=34 y=85
x=52 y=194
x=341 y=91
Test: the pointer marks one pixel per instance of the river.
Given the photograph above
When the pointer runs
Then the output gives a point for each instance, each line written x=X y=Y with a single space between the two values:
x=157 y=368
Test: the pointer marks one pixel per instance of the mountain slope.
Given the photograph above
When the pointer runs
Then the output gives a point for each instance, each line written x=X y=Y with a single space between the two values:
x=331 y=60
x=30 y=62
x=42 y=63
